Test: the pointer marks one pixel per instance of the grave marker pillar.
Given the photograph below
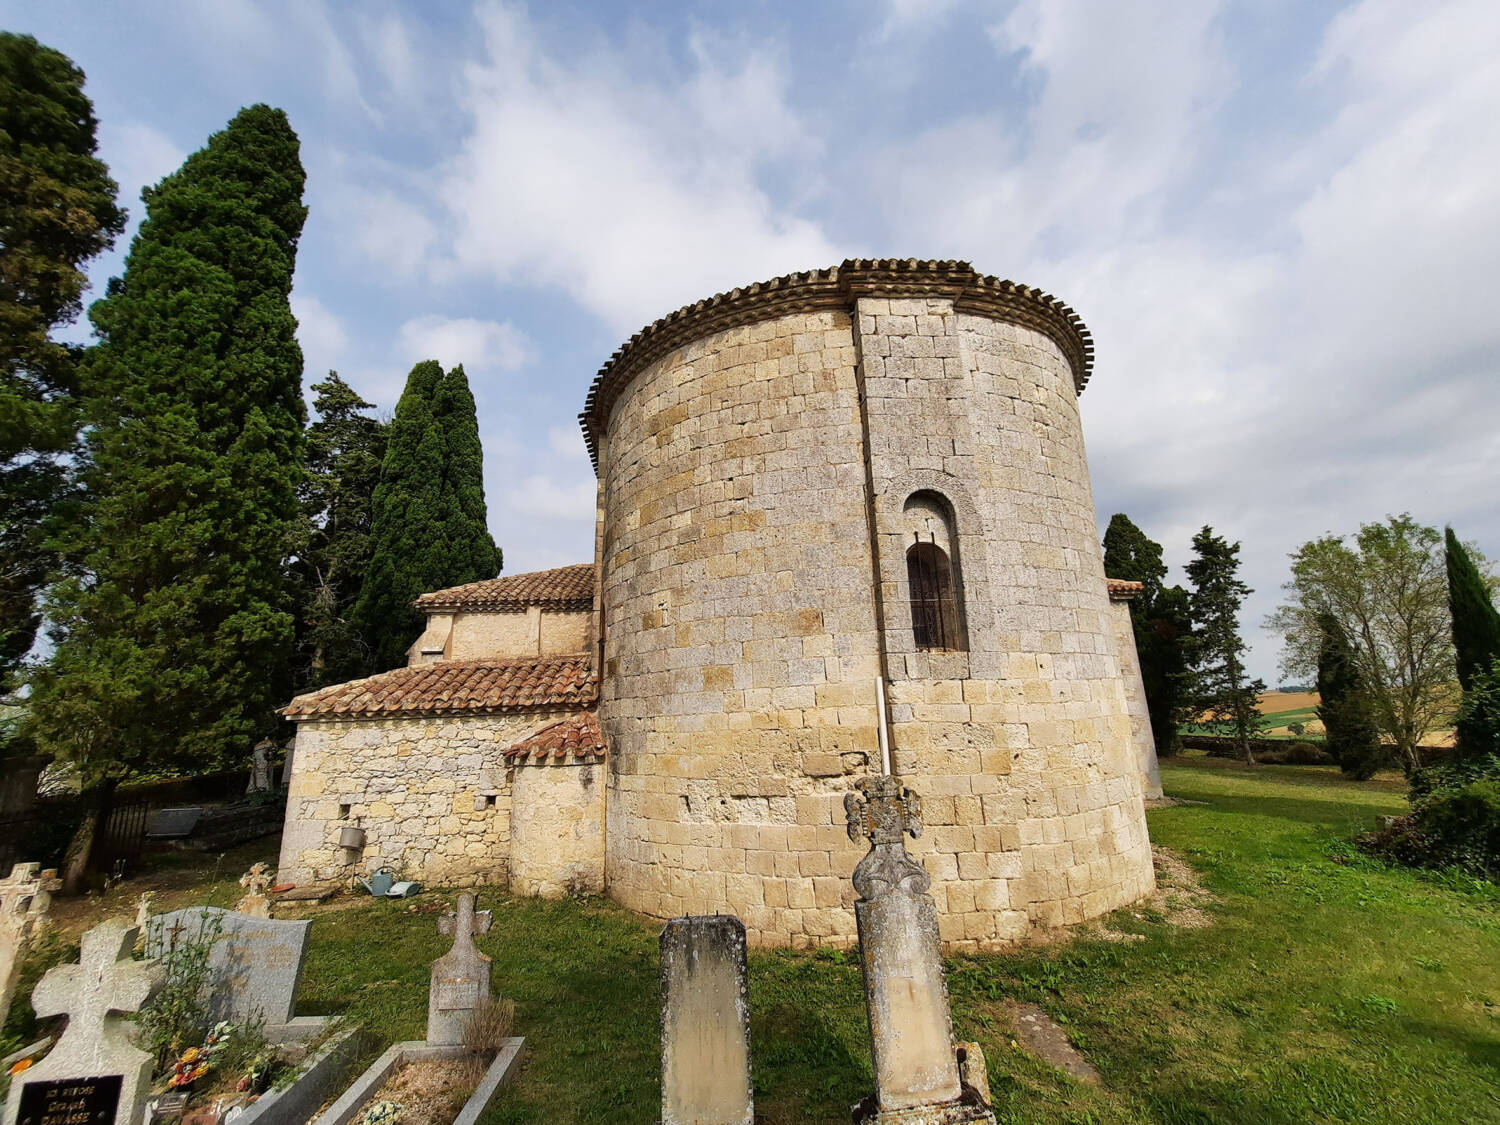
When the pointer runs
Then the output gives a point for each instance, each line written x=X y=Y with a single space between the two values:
x=460 y=978
x=705 y=1023
x=917 y=1079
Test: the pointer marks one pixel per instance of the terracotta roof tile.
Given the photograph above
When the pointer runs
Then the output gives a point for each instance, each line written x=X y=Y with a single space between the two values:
x=566 y=587
x=577 y=736
x=457 y=687
x=1121 y=590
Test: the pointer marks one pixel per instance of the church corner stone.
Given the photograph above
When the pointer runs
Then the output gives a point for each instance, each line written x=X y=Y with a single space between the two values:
x=705 y=1023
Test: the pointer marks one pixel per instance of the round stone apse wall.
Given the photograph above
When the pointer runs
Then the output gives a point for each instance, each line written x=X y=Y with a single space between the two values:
x=873 y=469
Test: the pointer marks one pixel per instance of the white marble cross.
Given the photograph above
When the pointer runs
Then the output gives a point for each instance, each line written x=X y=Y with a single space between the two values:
x=94 y=994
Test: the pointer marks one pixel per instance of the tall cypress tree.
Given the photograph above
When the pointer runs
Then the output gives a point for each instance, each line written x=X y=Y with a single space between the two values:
x=1350 y=733
x=1218 y=685
x=1159 y=619
x=57 y=210
x=428 y=530
x=470 y=547
x=1476 y=637
x=175 y=637
x=345 y=450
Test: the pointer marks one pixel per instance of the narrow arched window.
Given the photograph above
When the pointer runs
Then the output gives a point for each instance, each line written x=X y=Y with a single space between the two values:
x=934 y=610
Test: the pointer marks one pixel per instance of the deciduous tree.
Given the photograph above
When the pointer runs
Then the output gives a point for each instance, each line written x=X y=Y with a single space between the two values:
x=1218 y=687
x=57 y=211
x=1388 y=591
x=175 y=633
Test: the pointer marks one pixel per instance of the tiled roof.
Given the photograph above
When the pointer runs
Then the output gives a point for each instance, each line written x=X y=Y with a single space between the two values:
x=565 y=587
x=457 y=687
x=577 y=736
x=1121 y=590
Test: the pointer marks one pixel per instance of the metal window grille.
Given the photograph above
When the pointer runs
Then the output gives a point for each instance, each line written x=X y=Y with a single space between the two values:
x=934 y=614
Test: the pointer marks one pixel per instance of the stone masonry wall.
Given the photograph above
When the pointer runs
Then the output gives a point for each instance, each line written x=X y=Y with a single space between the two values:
x=741 y=628
x=557 y=834
x=1135 y=700
x=1034 y=801
x=433 y=795
x=740 y=651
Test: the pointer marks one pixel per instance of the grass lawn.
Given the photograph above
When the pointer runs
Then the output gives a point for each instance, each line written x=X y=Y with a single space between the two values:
x=1327 y=988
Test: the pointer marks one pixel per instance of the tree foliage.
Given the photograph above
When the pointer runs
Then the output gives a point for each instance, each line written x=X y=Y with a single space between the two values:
x=1351 y=735
x=57 y=211
x=1388 y=592
x=1216 y=683
x=1159 y=619
x=345 y=449
x=1476 y=639
x=175 y=632
x=428 y=526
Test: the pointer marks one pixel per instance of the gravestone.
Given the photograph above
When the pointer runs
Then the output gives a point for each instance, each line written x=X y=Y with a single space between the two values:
x=460 y=978
x=705 y=1023
x=916 y=1061
x=255 y=901
x=95 y=1075
x=170 y=824
x=254 y=965
x=25 y=897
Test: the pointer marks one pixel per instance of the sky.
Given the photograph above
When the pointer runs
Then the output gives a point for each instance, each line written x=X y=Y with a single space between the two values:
x=1279 y=219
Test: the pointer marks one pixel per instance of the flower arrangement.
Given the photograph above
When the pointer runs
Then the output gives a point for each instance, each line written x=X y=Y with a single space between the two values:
x=382 y=1113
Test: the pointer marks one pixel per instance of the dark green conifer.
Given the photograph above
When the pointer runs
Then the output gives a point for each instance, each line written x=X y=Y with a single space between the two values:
x=428 y=528
x=57 y=211
x=471 y=549
x=1476 y=638
x=345 y=450
x=1350 y=733
x=1159 y=618
x=175 y=637
x=1217 y=684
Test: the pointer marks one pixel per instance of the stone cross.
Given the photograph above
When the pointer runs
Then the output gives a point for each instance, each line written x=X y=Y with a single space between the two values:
x=917 y=1078
x=255 y=902
x=25 y=897
x=460 y=978
x=95 y=1052
x=705 y=1023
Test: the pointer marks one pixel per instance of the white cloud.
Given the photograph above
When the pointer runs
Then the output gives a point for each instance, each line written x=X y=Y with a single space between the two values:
x=480 y=345
x=567 y=441
x=138 y=155
x=1290 y=343
x=633 y=194
x=321 y=335
x=542 y=495
x=392 y=232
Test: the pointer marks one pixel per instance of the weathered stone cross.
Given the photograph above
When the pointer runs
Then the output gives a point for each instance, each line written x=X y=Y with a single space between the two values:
x=25 y=897
x=94 y=994
x=460 y=978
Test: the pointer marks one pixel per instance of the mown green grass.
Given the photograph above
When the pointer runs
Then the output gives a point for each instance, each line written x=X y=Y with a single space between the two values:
x=1328 y=988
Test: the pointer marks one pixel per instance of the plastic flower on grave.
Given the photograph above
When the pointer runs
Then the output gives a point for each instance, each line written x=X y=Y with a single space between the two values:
x=383 y=1113
x=23 y=1064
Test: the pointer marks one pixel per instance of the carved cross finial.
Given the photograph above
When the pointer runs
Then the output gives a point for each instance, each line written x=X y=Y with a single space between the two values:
x=882 y=810
x=465 y=922
x=257 y=879
x=104 y=983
